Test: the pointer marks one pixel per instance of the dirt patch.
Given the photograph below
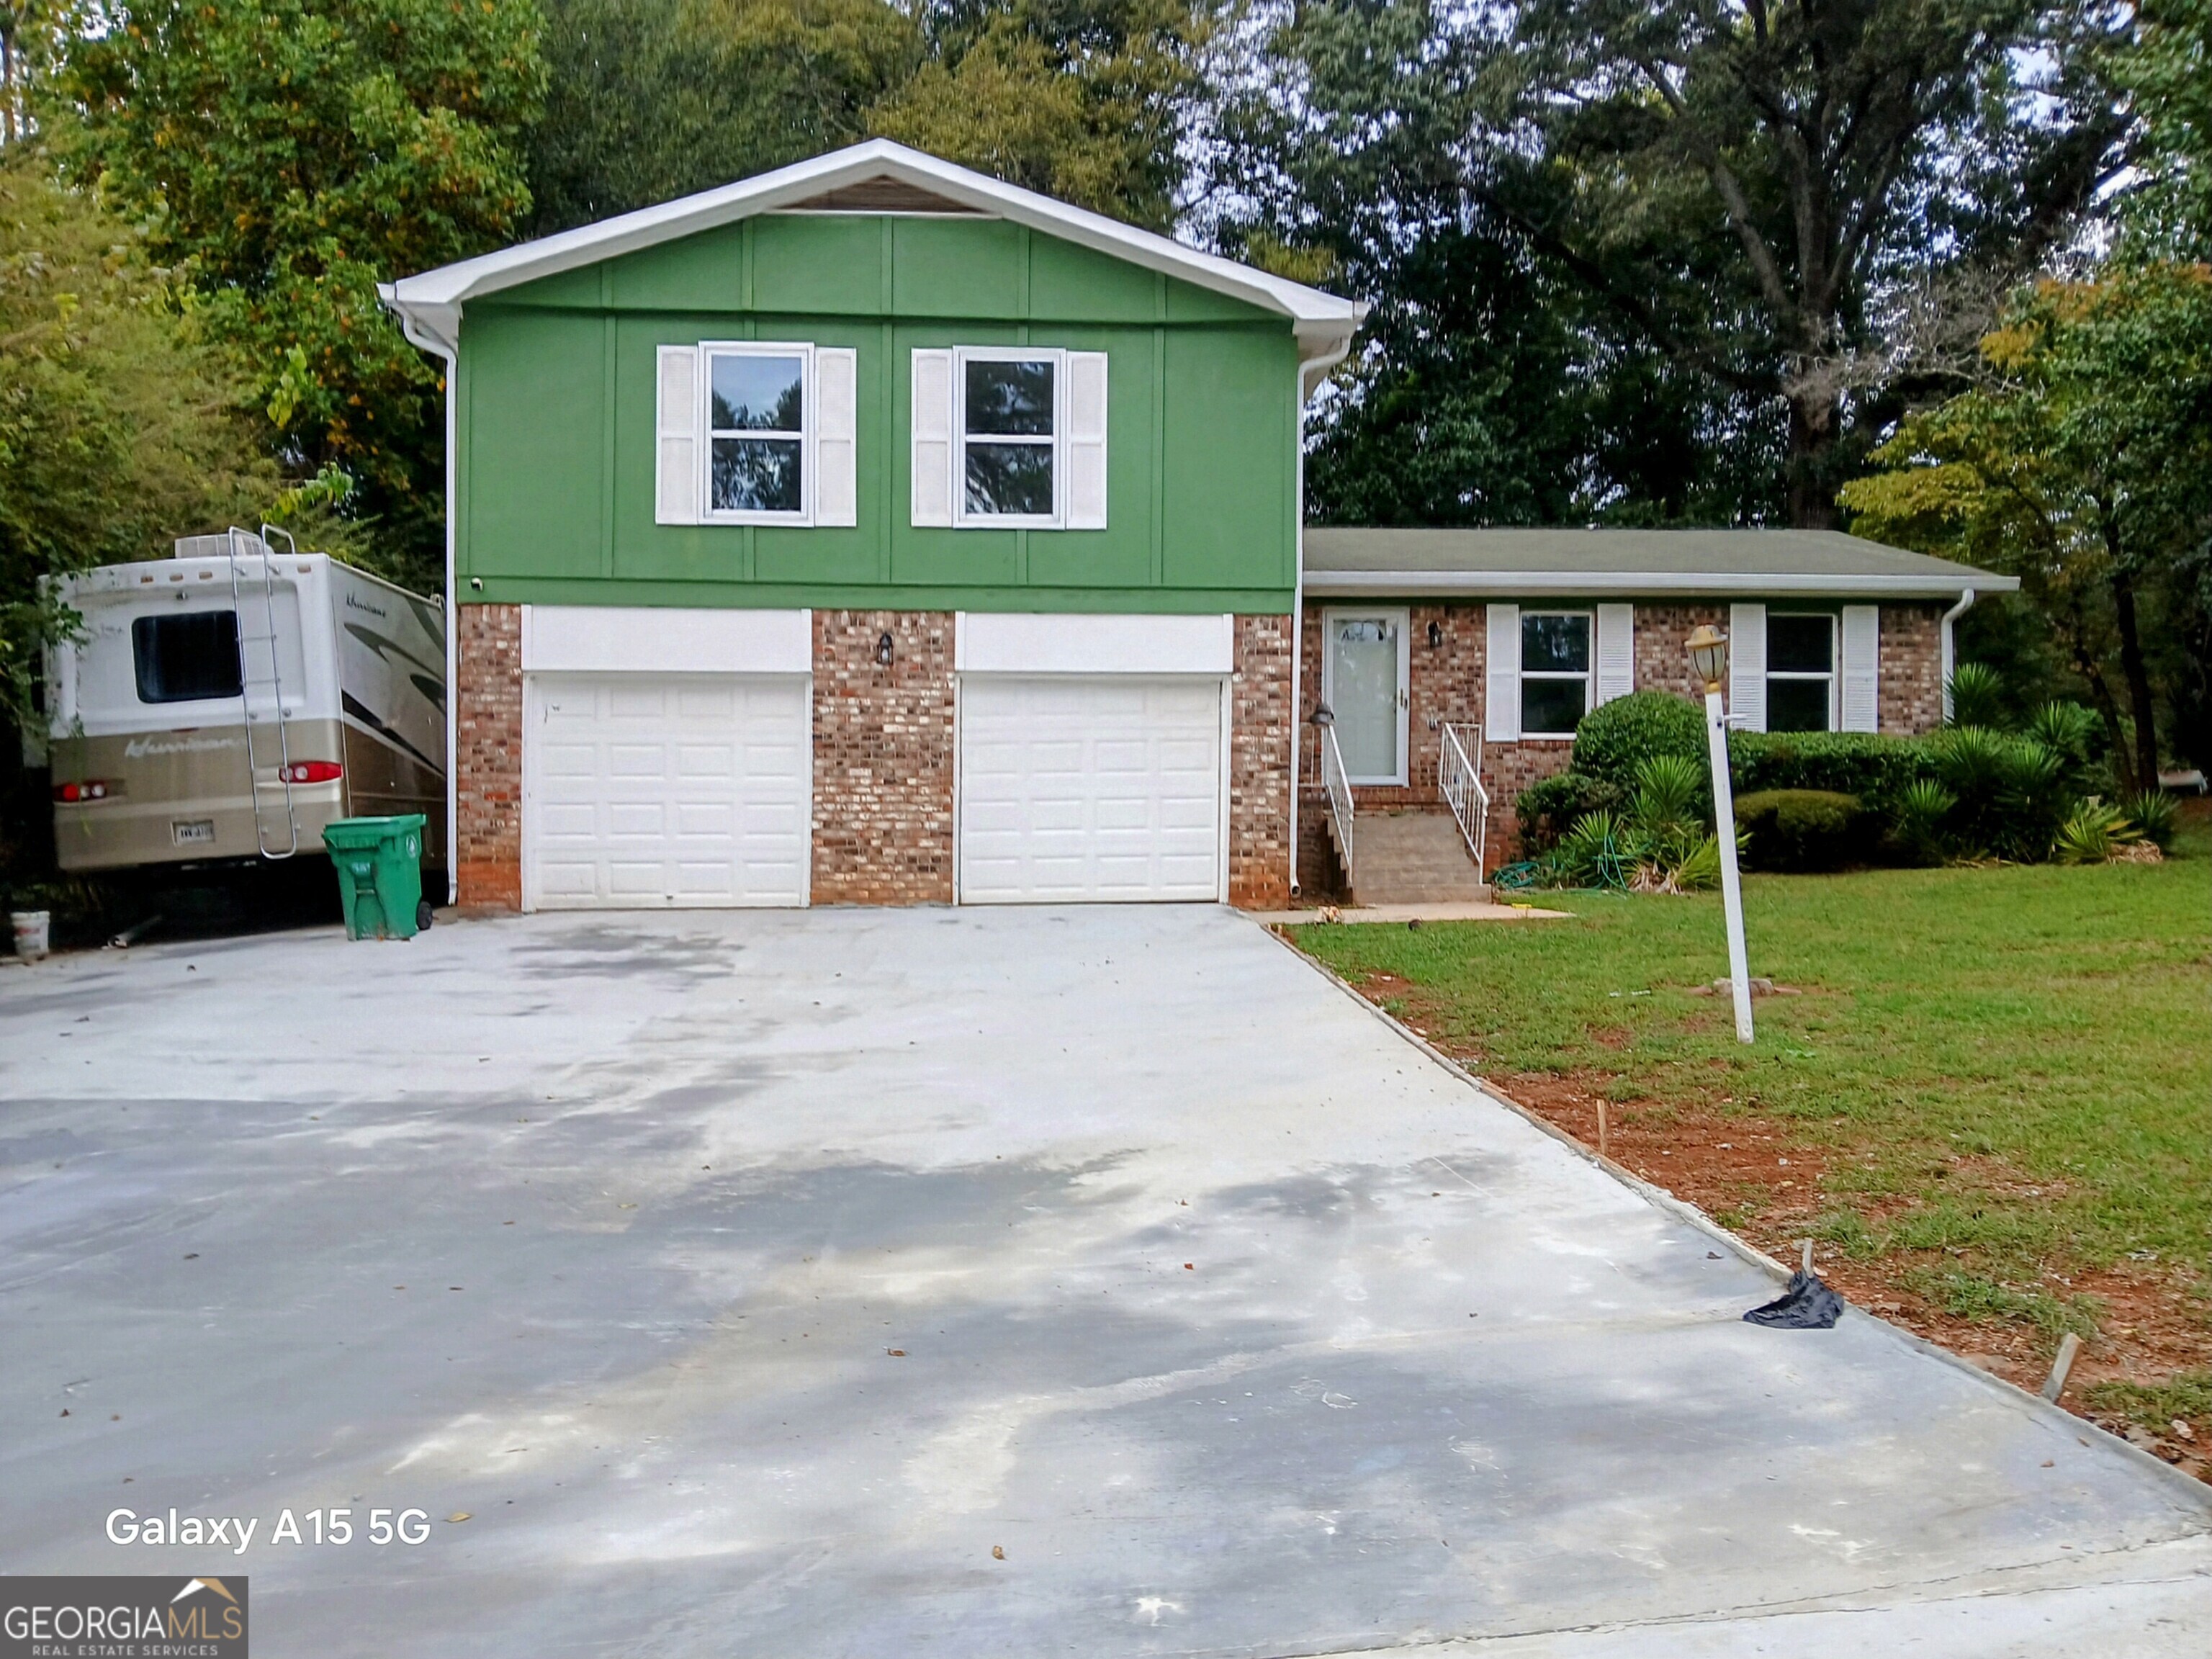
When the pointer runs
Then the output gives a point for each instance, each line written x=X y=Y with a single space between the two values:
x=1765 y=1180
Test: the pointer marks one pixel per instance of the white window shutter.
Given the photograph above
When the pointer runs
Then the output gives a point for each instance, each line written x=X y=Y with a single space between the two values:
x=1086 y=440
x=1861 y=668
x=676 y=434
x=836 y=413
x=1748 y=667
x=1501 y=713
x=933 y=438
x=1616 y=652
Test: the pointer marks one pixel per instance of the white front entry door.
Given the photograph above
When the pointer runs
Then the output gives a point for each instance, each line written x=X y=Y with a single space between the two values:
x=1080 y=789
x=1364 y=673
x=665 y=791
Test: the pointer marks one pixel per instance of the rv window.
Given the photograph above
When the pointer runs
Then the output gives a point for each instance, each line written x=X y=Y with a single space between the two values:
x=186 y=659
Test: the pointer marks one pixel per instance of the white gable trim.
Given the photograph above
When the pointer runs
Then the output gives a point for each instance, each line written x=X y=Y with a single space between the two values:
x=430 y=304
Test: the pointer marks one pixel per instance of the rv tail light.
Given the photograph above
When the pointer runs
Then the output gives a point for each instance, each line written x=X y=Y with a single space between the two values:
x=90 y=789
x=313 y=772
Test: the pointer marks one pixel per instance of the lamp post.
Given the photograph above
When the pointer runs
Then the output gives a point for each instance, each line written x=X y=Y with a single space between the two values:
x=1709 y=658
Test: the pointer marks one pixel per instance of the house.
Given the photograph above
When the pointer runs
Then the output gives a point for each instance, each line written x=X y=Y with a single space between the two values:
x=1500 y=641
x=872 y=531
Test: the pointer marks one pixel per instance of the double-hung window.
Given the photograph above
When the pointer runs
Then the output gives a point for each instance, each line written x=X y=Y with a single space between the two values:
x=755 y=432
x=1801 y=673
x=758 y=413
x=1555 y=671
x=1009 y=438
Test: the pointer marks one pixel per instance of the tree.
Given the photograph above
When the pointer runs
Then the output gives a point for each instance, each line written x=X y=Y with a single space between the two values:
x=1089 y=100
x=286 y=155
x=650 y=99
x=2083 y=465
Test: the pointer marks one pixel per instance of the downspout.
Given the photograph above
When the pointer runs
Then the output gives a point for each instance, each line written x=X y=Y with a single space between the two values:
x=448 y=352
x=1310 y=371
x=1950 y=651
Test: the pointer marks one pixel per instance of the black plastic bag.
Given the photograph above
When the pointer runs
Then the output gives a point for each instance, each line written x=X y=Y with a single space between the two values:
x=1806 y=1305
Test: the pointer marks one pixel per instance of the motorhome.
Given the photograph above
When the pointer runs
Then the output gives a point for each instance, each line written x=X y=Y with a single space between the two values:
x=224 y=704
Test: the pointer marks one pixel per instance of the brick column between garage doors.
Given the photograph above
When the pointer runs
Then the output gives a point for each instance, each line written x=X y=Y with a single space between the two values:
x=882 y=758
x=488 y=760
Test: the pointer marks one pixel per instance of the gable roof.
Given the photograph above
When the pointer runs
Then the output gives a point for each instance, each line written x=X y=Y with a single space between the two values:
x=1347 y=563
x=430 y=304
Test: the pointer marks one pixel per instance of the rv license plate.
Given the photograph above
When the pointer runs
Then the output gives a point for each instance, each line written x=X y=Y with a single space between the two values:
x=193 y=832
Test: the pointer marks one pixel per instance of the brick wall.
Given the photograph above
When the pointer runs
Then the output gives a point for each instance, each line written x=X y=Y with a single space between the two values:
x=487 y=762
x=1911 y=688
x=882 y=758
x=1261 y=731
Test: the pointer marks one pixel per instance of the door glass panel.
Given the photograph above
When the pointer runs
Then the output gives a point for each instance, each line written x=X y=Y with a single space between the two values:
x=1364 y=694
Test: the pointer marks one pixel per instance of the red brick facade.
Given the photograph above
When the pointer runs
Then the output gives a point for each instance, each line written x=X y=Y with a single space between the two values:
x=1446 y=684
x=1260 y=735
x=488 y=760
x=882 y=758
x=1911 y=686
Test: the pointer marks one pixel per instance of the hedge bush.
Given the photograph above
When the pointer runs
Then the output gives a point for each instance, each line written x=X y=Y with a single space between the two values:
x=1876 y=770
x=1616 y=738
x=1549 y=807
x=1798 y=828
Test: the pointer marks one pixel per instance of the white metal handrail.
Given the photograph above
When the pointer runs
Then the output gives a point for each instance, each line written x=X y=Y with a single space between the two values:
x=1458 y=780
x=1339 y=784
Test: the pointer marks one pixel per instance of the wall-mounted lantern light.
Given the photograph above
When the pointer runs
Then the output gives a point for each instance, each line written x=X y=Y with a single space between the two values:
x=1436 y=634
x=883 y=650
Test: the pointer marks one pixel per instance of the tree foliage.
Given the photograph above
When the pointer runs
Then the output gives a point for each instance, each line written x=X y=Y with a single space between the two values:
x=650 y=99
x=2082 y=464
x=286 y=157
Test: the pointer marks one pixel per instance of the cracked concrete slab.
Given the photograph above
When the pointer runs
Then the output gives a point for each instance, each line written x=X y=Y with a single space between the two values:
x=861 y=1282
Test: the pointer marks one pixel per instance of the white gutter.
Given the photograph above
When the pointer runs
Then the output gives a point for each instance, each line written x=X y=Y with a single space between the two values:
x=1632 y=584
x=449 y=352
x=1950 y=651
x=1310 y=371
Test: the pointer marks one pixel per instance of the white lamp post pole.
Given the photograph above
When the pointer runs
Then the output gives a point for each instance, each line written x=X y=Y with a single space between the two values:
x=1731 y=889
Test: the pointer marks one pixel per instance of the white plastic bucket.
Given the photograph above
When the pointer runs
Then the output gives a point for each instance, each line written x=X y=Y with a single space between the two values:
x=33 y=933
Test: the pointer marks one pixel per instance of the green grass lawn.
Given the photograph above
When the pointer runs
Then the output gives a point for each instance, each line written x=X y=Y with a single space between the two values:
x=1996 y=1083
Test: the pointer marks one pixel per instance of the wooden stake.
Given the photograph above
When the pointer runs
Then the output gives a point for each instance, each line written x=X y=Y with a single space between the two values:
x=2055 y=1384
x=1807 y=1258
x=1600 y=1127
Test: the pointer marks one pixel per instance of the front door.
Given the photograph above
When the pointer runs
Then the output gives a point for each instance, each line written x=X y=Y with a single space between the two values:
x=1363 y=683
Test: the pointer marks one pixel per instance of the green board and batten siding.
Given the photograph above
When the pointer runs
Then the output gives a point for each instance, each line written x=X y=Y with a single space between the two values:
x=555 y=415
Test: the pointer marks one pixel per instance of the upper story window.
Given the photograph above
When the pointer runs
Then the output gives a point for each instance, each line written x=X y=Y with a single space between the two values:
x=1801 y=673
x=1555 y=671
x=1009 y=431
x=1009 y=438
x=757 y=431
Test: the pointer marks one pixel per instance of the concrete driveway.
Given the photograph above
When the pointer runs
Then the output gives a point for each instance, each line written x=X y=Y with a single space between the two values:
x=1100 y=1282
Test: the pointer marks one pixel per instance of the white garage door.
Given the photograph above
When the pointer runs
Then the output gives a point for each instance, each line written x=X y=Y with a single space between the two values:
x=654 y=791
x=1085 y=789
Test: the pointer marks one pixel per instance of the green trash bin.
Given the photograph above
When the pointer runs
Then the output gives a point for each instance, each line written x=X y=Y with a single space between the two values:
x=379 y=865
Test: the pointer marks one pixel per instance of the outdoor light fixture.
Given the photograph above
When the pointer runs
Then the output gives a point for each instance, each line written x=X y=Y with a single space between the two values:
x=1709 y=658
x=1323 y=715
x=883 y=650
x=1436 y=634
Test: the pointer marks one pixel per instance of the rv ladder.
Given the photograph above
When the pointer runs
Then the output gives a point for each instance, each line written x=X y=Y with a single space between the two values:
x=261 y=699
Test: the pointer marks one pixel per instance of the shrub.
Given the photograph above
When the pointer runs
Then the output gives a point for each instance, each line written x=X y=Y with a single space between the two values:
x=2091 y=835
x=1875 y=769
x=1976 y=695
x=2152 y=817
x=1798 y=828
x=1550 y=807
x=1616 y=738
x=1593 y=853
x=1917 y=821
x=2010 y=790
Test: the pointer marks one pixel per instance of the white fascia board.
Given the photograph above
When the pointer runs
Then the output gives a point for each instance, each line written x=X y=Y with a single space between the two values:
x=434 y=299
x=1631 y=585
x=1068 y=642
x=610 y=639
